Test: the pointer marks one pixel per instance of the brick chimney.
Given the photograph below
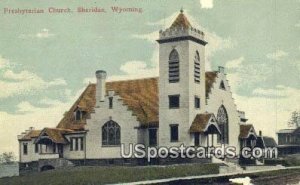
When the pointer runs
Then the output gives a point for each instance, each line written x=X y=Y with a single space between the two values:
x=100 y=86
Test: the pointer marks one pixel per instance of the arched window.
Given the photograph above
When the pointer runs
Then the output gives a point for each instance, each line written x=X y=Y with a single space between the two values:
x=222 y=85
x=173 y=66
x=222 y=119
x=111 y=133
x=197 y=67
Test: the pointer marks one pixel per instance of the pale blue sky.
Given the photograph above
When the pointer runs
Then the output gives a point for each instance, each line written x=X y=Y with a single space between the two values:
x=47 y=58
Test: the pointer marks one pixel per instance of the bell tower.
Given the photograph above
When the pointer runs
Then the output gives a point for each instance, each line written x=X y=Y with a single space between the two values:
x=181 y=80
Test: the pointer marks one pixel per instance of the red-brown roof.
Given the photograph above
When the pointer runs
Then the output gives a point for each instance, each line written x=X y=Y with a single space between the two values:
x=140 y=95
x=56 y=134
x=181 y=22
x=200 y=122
x=31 y=134
x=245 y=130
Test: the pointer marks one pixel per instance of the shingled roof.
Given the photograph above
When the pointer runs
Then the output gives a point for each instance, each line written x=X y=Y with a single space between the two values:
x=245 y=130
x=55 y=134
x=181 y=21
x=203 y=122
x=140 y=95
x=265 y=142
x=200 y=122
x=31 y=134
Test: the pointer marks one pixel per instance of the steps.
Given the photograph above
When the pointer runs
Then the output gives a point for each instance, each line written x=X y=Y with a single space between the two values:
x=227 y=167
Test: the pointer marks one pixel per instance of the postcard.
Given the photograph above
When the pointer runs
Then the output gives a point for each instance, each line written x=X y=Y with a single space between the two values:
x=149 y=92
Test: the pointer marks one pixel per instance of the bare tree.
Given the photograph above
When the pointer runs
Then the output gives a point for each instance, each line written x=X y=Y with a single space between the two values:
x=295 y=119
x=7 y=157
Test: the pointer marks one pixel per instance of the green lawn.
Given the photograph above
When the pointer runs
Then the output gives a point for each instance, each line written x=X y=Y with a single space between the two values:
x=101 y=175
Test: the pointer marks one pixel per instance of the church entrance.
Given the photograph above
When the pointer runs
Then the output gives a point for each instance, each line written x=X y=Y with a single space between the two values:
x=152 y=136
x=196 y=139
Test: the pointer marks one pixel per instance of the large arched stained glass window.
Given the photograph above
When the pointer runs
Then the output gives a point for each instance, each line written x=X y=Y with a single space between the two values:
x=173 y=66
x=111 y=133
x=197 y=67
x=222 y=119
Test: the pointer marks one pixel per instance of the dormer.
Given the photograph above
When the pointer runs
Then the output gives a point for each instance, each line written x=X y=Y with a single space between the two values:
x=79 y=115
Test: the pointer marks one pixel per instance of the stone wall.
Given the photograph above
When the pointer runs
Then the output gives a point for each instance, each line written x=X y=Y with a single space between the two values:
x=9 y=170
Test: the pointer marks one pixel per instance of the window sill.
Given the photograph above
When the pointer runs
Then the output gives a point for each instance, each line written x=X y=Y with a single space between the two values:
x=109 y=146
x=174 y=141
x=174 y=107
x=76 y=150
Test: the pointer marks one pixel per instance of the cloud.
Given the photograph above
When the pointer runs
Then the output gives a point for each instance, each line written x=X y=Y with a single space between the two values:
x=268 y=109
x=233 y=64
x=206 y=4
x=151 y=37
x=25 y=106
x=43 y=34
x=277 y=55
x=215 y=42
x=134 y=70
x=28 y=115
x=48 y=101
x=278 y=92
x=248 y=75
x=265 y=111
x=3 y=62
x=24 y=82
x=165 y=22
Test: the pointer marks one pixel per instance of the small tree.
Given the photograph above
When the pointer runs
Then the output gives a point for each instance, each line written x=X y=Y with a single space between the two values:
x=7 y=157
x=295 y=119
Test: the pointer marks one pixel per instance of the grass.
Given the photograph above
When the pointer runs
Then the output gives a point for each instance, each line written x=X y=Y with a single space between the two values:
x=288 y=160
x=102 y=175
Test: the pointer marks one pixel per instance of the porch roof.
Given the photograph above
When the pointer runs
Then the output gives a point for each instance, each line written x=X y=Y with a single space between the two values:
x=203 y=122
x=56 y=135
x=246 y=130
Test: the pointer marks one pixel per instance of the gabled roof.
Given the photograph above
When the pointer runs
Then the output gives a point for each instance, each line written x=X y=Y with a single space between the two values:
x=31 y=134
x=266 y=142
x=245 y=131
x=140 y=95
x=286 y=131
x=269 y=141
x=56 y=135
x=86 y=102
x=202 y=122
x=181 y=21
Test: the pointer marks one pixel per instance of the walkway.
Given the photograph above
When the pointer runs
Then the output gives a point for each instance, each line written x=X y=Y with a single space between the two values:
x=207 y=176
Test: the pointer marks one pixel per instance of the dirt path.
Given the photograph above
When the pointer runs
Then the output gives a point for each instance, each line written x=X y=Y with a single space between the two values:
x=286 y=179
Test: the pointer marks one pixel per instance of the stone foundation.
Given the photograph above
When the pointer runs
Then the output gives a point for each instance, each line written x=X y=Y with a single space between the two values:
x=25 y=168
x=37 y=166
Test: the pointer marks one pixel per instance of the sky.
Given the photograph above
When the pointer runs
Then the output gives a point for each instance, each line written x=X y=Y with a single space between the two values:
x=46 y=60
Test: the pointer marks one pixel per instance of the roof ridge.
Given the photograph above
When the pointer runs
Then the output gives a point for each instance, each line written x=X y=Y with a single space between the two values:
x=75 y=104
x=128 y=80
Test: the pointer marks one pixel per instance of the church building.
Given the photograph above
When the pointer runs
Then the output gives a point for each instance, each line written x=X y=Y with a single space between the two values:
x=184 y=105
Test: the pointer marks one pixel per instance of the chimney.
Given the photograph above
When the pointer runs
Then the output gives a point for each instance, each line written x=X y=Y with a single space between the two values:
x=100 y=86
x=260 y=133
